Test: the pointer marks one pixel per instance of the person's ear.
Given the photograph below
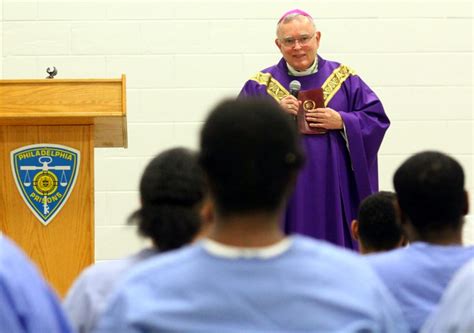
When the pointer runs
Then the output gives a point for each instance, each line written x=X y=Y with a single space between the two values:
x=278 y=43
x=207 y=211
x=206 y=214
x=318 y=36
x=355 y=229
x=403 y=241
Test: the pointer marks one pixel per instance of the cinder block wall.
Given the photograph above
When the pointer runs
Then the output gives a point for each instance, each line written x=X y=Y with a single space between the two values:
x=181 y=57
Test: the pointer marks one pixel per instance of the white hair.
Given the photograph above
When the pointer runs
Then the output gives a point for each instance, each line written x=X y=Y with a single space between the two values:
x=292 y=17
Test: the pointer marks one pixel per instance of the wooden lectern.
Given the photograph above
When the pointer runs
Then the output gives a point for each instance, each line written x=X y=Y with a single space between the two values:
x=81 y=114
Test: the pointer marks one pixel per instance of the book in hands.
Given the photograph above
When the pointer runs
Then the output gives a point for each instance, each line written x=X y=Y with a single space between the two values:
x=310 y=99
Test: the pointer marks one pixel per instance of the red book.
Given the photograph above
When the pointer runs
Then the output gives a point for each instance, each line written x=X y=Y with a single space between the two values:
x=310 y=99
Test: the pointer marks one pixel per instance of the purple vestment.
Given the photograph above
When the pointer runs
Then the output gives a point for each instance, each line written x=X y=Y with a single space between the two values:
x=335 y=177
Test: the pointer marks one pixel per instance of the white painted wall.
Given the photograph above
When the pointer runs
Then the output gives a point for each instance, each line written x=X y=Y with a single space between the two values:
x=181 y=57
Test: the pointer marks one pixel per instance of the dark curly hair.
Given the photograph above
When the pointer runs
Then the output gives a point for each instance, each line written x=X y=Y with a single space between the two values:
x=379 y=223
x=430 y=190
x=250 y=153
x=171 y=189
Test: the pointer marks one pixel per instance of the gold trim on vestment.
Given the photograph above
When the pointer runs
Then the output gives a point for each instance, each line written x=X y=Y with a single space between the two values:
x=334 y=82
x=330 y=87
x=274 y=88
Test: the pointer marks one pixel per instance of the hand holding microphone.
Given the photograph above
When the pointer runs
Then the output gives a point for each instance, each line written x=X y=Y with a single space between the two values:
x=290 y=103
x=295 y=87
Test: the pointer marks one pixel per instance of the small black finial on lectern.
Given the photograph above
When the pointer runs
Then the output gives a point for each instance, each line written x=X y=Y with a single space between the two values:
x=52 y=72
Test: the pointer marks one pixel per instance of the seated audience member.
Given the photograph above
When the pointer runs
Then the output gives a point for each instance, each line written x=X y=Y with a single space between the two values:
x=378 y=228
x=171 y=192
x=248 y=276
x=27 y=304
x=433 y=202
x=455 y=313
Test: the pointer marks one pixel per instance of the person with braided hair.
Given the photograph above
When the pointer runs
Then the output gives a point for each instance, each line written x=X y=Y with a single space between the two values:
x=172 y=193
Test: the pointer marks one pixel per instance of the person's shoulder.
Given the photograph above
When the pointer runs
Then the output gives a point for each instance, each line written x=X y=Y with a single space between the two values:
x=399 y=263
x=470 y=251
x=469 y=248
x=466 y=272
x=13 y=259
x=388 y=258
x=103 y=271
x=461 y=254
x=170 y=267
x=272 y=69
x=8 y=248
x=330 y=63
x=268 y=71
x=333 y=66
x=27 y=291
x=166 y=263
x=321 y=246
x=102 y=276
x=326 y=252
x=329 y=261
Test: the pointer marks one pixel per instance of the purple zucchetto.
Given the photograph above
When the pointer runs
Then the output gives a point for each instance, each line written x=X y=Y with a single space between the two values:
x=294 y=11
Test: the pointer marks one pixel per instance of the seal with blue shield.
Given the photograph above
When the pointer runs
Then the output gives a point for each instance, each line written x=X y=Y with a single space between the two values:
x=45 y=175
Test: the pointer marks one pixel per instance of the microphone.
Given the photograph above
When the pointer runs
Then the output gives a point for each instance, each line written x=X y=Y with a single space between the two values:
x=295 y=87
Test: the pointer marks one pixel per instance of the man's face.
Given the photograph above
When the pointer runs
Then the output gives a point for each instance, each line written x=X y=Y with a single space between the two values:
x=298 y=42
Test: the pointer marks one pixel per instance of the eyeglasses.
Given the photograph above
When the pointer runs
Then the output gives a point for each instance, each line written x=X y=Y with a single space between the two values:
x=291 y=42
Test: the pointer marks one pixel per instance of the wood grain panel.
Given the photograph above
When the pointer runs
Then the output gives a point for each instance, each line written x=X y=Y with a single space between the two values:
x=55 y=102
x=64 y=247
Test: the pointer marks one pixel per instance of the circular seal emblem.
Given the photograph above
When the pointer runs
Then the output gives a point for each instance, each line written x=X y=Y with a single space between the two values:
x=309 y=105
x=45 y=183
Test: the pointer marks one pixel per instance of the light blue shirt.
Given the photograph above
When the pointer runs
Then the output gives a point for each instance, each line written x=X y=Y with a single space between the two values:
x=455 y=313
x=295 y=285
x=89 y=294
x=417 y=275
x=27 y=304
